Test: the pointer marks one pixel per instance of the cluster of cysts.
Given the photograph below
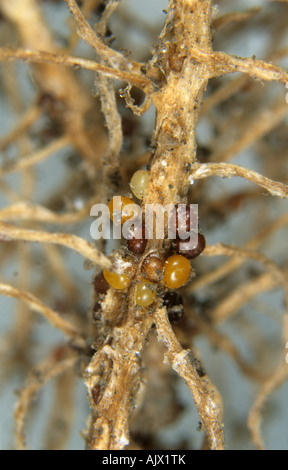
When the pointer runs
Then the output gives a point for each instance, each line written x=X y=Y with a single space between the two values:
x=170 y=272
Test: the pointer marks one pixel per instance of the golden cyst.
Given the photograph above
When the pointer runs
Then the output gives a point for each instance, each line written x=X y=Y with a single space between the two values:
x=177 y=271
x=115 y=280
x=145 y=294
x=125 y=209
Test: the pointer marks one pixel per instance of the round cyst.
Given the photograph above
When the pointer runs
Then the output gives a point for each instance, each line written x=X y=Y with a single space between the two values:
x=139 y=182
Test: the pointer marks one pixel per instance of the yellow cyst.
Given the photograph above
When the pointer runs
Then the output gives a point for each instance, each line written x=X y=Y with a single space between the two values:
x=145 y=294
x=177 y=271
x=115 y=280
x=139 y=182
x=127 y=213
